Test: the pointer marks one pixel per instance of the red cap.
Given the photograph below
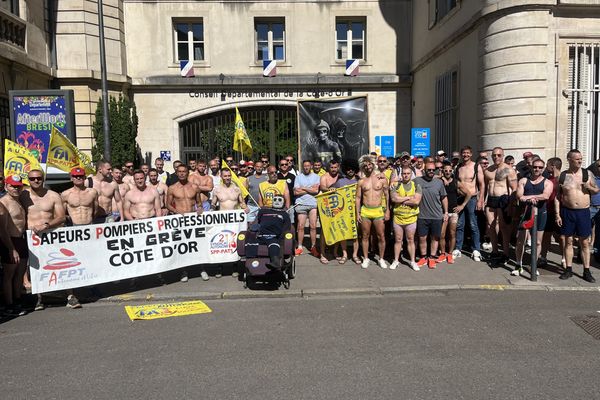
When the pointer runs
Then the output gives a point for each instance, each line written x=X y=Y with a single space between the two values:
x=78 y=171
x=527 y=154
x=14 y=180
x=250 y=163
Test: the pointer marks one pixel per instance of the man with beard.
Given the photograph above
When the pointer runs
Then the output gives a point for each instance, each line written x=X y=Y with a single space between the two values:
x=253 y=188
x=142 y=201
x=501 y=181
x=572 y=205
x=204 y=183
x=117 y=176
x=349 y=169
x=107 y=189
x=371 y=188
x=320 y=146
x=184 y=197
x=306 y=187
x=326 y=184
x=160 y=187
x=470 y=180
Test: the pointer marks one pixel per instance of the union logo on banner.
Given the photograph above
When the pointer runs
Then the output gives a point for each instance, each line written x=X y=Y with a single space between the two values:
x=351 y=68
x=270 y=68
x=187 y=68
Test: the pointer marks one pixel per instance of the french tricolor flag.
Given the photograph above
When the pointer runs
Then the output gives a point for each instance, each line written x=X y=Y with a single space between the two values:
x=351 y=68
x=187 y=69
x=270 y=68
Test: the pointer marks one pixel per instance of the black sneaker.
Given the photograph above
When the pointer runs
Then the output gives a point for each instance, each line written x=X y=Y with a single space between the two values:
x=566 y=275
x=72 y=302
x=587 y=276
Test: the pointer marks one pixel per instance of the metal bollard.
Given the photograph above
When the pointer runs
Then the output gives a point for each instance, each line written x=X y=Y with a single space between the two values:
x=534 y=245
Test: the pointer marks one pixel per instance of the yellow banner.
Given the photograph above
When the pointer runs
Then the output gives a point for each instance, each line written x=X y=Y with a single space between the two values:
x=241 y=141
x=166 y=310
x=235 y=179
x=18 y=160
x=337 y=214
x=64 y=155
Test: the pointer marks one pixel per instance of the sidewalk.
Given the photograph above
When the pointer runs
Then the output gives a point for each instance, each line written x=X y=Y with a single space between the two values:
x=316 y=279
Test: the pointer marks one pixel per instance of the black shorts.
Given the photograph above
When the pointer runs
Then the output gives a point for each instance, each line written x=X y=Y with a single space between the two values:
x=20 y=244
x=431 y=227
x=498 y=201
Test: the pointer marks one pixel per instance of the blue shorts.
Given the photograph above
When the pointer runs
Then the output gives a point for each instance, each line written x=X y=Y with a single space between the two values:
x=576 y=222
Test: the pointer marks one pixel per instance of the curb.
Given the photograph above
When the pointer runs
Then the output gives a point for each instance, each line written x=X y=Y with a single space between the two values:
x=320 y=293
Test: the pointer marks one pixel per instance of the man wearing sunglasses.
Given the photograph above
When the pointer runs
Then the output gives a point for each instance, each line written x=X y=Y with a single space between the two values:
x=80 y=202
x=128 y=173
x=501 y=182
x=534 y=190
x=44 y=210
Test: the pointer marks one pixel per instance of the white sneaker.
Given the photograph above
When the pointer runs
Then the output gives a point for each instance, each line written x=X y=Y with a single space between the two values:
x=486 y=246
x=184 y=277
x=456 y=253
x=476 y=256
x=382 y=263
x=395 y=264
x=365 y=263
x=414 y=266
x=204 y=275
x=517 y=271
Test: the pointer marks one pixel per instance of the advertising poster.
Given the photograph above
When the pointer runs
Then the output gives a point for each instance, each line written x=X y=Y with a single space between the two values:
x=333 y=129
x=34 y=113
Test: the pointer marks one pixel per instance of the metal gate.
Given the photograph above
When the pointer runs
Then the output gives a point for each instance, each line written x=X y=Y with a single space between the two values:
x=272 y=131
x=584 y=96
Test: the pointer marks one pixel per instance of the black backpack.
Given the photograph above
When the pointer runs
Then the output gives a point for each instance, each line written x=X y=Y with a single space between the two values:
x=563 y=175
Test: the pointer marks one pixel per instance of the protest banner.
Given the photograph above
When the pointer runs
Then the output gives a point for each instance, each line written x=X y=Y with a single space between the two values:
x=77 y=256
x=166 y=310
x=337 y=214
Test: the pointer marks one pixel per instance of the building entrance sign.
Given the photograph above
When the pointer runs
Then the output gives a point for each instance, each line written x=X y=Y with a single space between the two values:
x=282 y=93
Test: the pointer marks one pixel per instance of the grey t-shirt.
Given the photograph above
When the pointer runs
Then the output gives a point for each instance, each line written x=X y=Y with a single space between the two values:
x=253 y=182
x=431 y=202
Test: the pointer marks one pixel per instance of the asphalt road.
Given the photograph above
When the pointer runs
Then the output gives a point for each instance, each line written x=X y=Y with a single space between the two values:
x=422 y=345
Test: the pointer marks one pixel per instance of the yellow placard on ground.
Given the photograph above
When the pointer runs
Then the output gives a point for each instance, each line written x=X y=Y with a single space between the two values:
x=166 y=310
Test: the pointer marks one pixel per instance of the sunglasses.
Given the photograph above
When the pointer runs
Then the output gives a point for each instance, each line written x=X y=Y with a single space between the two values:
x=283 y=164
x=534 y=167
x=130 y=166
x=35 y=178
x=381 y=161
x=431 y=170
x=289 y=159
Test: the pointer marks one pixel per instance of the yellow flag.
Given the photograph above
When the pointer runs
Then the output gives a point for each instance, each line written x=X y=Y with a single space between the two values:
x=337 y=214
x=64 y=155
x=18 y=160
x=235 y=179
x=241 y=141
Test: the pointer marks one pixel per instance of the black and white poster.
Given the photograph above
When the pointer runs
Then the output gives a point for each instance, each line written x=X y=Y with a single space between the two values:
x=333 y=129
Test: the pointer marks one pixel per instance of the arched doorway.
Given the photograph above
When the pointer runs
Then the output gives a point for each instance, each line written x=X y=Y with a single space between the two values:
x=273 y=130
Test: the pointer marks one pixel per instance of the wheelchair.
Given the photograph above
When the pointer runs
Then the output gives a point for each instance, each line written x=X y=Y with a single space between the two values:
x=254 y=269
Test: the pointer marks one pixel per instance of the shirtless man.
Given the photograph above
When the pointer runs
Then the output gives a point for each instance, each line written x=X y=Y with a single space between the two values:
x=184 y=197
x=326 y=184
x=142 y=201
x=128 y=169
x=471 y=181
x=14 y=264
x=371 y=188
x=44 y=207
x=160 y=187
x=204 y=183
x=80 y=202
x=107 y=190
x=572 y=205
x=228 y=196
x=192 y=167
x=117 y=176
x=501 y=182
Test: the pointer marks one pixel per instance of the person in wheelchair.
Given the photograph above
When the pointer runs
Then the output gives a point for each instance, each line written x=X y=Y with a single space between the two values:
x=271 y=224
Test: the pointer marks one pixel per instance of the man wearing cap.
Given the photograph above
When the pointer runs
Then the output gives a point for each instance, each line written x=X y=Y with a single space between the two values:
x=455 y=159
x=80 y=202
x=108 y=190
x=440 y=156
x=14 y=264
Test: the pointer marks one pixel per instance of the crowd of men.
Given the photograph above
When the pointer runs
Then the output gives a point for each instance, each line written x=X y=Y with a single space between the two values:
x=406 y=203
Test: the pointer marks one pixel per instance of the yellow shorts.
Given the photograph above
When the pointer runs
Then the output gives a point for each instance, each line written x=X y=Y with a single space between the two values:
x=372 y=213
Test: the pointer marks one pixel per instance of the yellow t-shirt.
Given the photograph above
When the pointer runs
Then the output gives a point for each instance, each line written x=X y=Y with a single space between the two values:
x=403 y=214
x=269 y=190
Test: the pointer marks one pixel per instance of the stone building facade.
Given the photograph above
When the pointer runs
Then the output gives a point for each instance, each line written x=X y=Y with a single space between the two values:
x=520 y=74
